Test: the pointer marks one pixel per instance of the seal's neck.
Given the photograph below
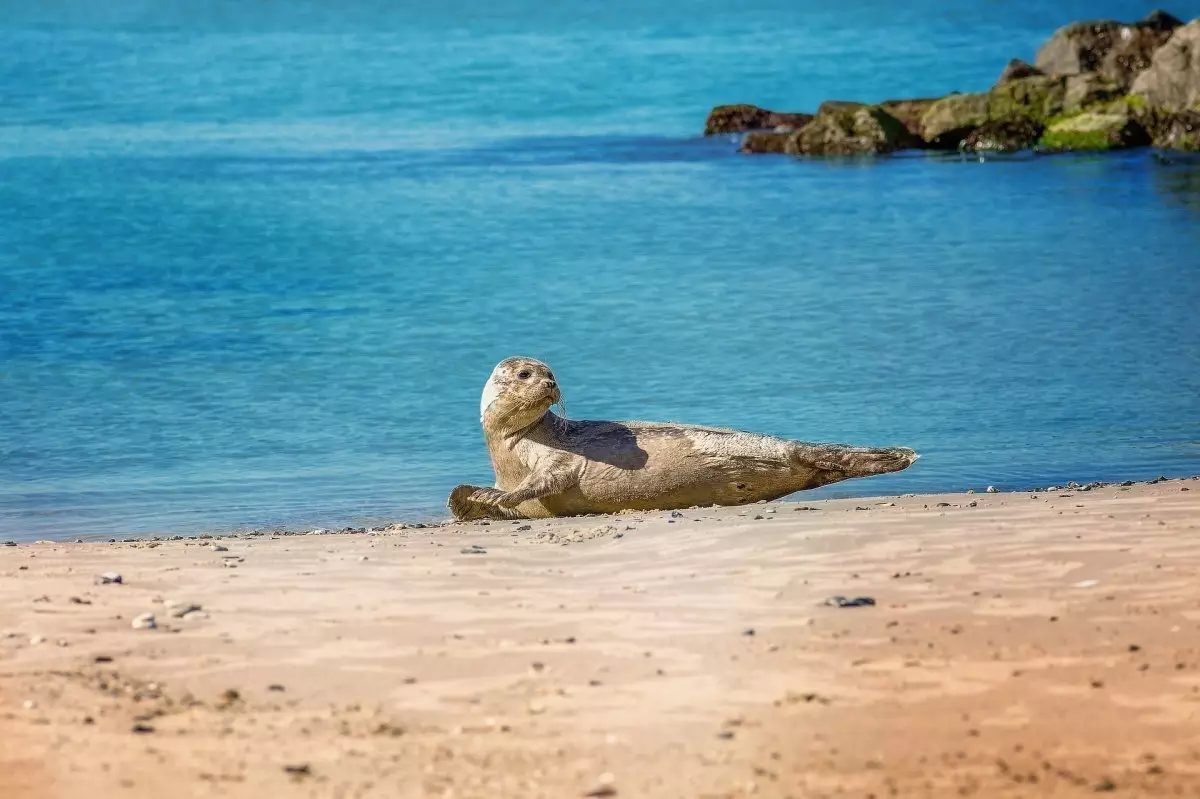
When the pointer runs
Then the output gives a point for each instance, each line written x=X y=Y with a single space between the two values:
x=509 y=429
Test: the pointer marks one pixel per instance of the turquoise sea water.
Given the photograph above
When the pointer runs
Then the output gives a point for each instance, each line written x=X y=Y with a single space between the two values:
x=256 y=263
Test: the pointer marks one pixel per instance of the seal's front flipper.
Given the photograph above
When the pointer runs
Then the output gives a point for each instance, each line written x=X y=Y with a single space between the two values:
x=835 y=462
x=468 y=502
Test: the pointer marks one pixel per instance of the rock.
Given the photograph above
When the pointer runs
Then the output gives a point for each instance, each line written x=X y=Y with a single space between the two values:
x=107 y=578
x=1003 y=136
x=851 y=129
x=1016 y=105
x=1116 y=50
x=763 y=142
x=37 y=639
x=144 y=622
x=909 y=112
x=179 y=609
x=844 y=602
x=743 y=118
x=474 y=549
x=1177 y=132
x=1109 y=127
x=1170 y=91
x=1088 y=90
x=1172 y=81
x=1018 y=69
x=951 y=119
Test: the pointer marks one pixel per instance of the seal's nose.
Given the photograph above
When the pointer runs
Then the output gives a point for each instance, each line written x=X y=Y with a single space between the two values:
x=549 y=384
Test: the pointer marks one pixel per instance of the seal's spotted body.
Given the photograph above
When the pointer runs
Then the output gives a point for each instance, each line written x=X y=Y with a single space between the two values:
x=546 y=465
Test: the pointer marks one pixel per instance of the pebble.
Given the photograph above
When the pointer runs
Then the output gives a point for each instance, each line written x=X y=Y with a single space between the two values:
x=219 y=548
x=179 y=609
x=474 y=549
x=298 y=770
x=142 y=729
x=856 y=602
x=108 y=577
x=37 y=639
x=993 y=490
x=29 y=704
x=10 y=543
x=144 y=622
x=536 y=708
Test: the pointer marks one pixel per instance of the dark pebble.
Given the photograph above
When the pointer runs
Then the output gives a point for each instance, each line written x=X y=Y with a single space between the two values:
x=845 y=602
x=142 y=729
x=275 y=687
x=748 y=631
x=102 y=659
x=298 y=770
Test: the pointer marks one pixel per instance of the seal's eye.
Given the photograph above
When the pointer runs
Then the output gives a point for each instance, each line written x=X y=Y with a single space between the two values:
x=524 y=374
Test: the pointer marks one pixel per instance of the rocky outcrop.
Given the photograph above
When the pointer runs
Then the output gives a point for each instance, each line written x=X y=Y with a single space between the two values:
x=1172 y=82
x=1110 y=126
x=1115 y=50
x=841 y=128
x=1096 y=86
x=743 y=118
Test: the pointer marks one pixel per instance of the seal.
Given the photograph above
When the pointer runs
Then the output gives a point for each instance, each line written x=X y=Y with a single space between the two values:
x=547 y=465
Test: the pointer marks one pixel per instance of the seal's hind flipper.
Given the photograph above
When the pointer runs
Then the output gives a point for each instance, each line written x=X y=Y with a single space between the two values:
x=836 y=462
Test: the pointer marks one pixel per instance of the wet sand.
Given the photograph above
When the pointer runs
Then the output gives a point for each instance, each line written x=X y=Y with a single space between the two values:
x=1041 y=644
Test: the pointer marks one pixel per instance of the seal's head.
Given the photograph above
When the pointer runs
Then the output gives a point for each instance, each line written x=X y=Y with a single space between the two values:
x=518 y=393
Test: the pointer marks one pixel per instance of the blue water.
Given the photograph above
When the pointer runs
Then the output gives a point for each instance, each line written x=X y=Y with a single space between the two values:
x=256 y=263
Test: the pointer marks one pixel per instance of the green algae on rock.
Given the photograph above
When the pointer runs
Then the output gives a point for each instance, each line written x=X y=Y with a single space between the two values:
x=1112 y=126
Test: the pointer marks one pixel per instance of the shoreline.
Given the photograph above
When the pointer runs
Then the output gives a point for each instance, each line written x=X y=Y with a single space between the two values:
x=431 y=520
x=1020 y=643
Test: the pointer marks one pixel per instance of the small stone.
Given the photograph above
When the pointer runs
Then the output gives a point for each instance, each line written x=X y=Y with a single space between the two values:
x=37 y=639
x=844 y=602
x=973 y=504
x=748 y=631
x=108 y=577
x=144 y=622
x=219 y=548
x=725 y=735
x=276 y=687
x=102 y=659
x=179 y=609
x=142 y=729
x=993 y=490
x=29 y=704
x=298 y=770
x=536 y=708
x=474 y=549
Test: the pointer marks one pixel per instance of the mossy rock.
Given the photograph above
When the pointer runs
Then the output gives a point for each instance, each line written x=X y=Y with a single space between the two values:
x=1113 y=126
x=952 y=118
x=1016 y=102
x=765 y=141
x=1088 y=89
x=841 y=128
x=910 y=112
x=1179 y=131
x=1003 y=136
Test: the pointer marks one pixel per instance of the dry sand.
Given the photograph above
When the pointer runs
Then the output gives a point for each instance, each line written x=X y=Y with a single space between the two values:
x=1021 y=645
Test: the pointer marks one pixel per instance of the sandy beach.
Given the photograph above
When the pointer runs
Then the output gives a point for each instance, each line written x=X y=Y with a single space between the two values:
x=1020 y=644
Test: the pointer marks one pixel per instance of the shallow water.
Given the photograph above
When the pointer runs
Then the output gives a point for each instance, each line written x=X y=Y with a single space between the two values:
x=255 y=268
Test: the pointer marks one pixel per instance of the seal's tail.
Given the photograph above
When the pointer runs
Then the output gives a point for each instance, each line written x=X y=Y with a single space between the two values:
x=835 y=462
